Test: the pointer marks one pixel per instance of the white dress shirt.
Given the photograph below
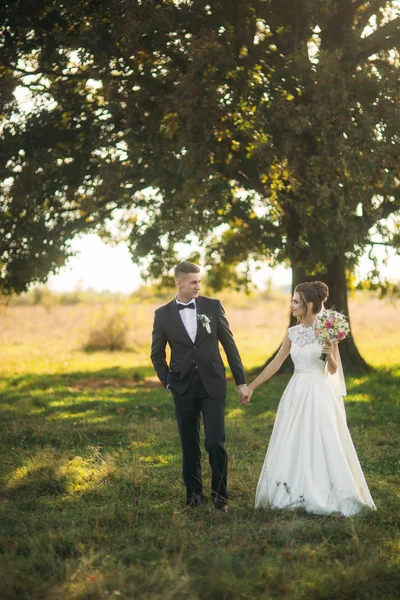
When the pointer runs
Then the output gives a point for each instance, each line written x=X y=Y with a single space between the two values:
x=189 y=318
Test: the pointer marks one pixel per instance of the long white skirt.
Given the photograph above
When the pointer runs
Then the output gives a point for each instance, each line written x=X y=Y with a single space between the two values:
x=311 y=461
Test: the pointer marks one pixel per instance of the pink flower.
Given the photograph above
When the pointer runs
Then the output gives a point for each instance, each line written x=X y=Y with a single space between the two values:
x=340 y=335
x=328 y=324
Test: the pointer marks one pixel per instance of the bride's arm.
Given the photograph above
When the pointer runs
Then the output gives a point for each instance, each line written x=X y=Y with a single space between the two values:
x=332 y=357
x=274 y=365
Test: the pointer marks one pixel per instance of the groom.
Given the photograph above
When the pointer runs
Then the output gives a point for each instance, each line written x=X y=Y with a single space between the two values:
x=192 y=326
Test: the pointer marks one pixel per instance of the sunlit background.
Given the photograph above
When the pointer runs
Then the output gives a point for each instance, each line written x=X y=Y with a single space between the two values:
x=100 y=266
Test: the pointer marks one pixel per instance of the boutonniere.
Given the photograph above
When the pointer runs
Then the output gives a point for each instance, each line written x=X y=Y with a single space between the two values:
x=205 y=321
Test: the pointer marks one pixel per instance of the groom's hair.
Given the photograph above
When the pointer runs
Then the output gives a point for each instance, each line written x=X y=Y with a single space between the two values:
x=185 y=267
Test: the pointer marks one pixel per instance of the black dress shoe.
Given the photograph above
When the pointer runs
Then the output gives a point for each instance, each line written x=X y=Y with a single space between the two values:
x=221 y=507
x=195 y=500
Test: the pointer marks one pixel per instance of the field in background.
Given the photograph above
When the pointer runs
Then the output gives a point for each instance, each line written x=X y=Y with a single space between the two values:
x=90 y=488
x=41 y=338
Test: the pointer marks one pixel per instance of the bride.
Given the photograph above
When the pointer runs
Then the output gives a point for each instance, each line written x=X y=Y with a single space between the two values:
x=311 y=462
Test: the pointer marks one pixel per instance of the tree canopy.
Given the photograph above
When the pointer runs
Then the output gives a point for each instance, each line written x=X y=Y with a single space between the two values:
x=262 y=129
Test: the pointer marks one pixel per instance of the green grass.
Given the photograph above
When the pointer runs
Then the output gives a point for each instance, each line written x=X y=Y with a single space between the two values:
x=91 y=502
x=91 y=498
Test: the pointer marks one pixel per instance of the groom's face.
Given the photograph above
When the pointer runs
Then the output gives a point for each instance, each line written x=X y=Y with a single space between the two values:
x=188 y=285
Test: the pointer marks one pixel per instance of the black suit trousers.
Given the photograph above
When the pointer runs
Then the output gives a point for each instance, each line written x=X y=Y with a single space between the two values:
x=188 y=408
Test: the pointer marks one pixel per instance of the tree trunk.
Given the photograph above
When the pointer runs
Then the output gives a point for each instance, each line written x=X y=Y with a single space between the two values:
x=335 y=278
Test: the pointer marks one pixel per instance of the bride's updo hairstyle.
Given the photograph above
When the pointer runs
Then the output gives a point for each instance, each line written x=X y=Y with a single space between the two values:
x=312 y=291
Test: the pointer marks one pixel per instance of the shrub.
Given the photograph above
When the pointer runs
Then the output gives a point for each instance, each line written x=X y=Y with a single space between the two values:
x=108 y=332
x=39 y=295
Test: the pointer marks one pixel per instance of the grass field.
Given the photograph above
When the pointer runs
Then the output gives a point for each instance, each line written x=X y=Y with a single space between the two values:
x=91 y=495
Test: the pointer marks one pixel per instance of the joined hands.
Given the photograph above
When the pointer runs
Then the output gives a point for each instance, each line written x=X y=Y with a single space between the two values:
x=244 y=392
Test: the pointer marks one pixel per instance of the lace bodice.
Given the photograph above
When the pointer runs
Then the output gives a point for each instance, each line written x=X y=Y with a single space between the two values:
x=305 y=349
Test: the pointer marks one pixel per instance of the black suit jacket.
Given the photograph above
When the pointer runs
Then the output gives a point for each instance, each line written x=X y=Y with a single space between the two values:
x=203 y=353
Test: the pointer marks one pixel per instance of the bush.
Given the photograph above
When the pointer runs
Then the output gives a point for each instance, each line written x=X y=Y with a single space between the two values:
x=108 y=332
x=40 y=295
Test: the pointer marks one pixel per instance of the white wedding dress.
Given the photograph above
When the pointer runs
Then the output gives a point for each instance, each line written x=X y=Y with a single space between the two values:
x=311 y=462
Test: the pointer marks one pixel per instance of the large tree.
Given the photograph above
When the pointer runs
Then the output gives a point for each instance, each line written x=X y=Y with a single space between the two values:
x=261 y=129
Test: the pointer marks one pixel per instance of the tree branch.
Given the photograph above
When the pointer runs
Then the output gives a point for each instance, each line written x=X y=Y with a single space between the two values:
x=388 y=207
x=381 y=63
x=367 y=13
x=372 y=243
x=44 y=72
x=57 y=73
x=381 y=39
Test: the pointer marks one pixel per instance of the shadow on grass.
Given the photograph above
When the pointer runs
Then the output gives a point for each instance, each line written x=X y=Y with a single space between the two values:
x=114 y=408
x=92 y=490
x=101 y=403
x=114 y=375
x=379 y=386
x=107 y=408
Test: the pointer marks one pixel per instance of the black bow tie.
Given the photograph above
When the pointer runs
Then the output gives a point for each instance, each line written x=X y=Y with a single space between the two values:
x=182 y=306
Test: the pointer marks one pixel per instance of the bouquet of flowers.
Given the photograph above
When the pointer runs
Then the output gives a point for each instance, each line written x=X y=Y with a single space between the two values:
x=331 y=326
